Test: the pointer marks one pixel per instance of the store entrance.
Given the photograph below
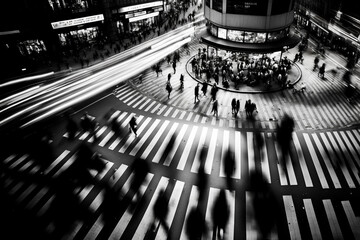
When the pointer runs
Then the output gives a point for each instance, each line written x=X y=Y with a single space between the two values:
x=81 y=38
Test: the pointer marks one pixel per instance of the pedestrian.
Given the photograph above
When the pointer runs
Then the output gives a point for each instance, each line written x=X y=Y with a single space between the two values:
x=213 y=92
x=316 y=62
x=174 y=66
x=168 y=88
x=181 y=82
x=133 y=125
x=161 y=209
x=229 y=167
x=71 y=127
x=220 y=215
x=237 y=106
x=204 y=88
x=169 y=77
x=196 y=93
x=233 y=106
x=215 y=108
x=322 y=71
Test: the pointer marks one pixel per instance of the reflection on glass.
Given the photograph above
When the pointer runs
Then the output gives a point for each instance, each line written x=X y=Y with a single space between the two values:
x=213 y=30
x=222 y=33
x=234 y=35
x=274 y=36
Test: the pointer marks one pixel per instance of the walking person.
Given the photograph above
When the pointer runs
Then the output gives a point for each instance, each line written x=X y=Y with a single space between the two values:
x=233 y=106
x=237 y=107
x=181 y=82
x=316 y=62
x=133 y=125
x=196 y=93
x=204 y=88
x=161 y=209
x=174 y=66
x=213 y=92
x=168 y=88
x=215 y=108
x=322 y=71
x=169 y=77
x=220 y=215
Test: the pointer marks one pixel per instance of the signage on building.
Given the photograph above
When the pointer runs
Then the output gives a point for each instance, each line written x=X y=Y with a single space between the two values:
x=134 y=14
x=77 y=21
x=134 y=19
x=140 y=6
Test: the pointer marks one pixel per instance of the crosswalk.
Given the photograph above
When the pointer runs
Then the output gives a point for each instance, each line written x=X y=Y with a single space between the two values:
x=305 y=216
x=323 y=159
x=322 y=106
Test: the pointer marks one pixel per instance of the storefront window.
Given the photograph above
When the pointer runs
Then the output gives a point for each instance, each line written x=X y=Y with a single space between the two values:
x=274 y=36
x=81 y=37
x=222 y=33
x=29 y=47
x=217 y=5
x=213 y=30
x=236 y=36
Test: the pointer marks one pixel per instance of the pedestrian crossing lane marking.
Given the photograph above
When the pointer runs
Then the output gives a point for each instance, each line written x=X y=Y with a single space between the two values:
x=303 y=166
x=148 y=218
x=196 y=162
x=251 y=231
x=352 y=218
x=132 y=136
x=178 y=140
x=135 y=150
x=164 y=144
x=185 y=154
x=155 y=139
x=251 y=153
x=331 y=215
x=225 y=147
x=355 y=152
x=342 y=167
x=191 y=203
x=211 y=151
x=313 y=223
x=316 y=161
x=173 y=204
x=327 y=162
x=291 y=217
x=237 y=148
x=126 y=217
x=265 y=160
x=118 y=139
x=282 y=174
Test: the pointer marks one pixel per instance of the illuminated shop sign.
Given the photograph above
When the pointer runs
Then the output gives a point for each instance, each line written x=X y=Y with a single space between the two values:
x=134 y=19
x=222 y=33
x=140 y=6
x=77 y=21
x=135 y=14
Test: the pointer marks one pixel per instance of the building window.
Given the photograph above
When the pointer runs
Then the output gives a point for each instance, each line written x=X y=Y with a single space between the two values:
x=213 y=30
x=274 y=36
x=30 y=47
x=236 y=36
x=217 y=5
x=222 y=33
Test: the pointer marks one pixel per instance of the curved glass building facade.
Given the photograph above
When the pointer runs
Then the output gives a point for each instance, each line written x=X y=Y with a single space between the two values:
x=250 y=25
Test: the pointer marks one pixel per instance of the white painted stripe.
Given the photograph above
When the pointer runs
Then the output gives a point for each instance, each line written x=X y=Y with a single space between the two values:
x=352 y=218
x=213 y=194
x=168 y=111
x=173 y=203
x=182 y=115
x=191 y=203
x=150 y=106
x=157 y=108
x=9 y=158
x=132 y=136
x=313 y=223
x=354 y=152
x=289 y=167
x=303 y=166
x=144 y=138
x=148 y=217
x=189 y=116
x=282 y=175
x=175 y=113
x=196 y=119
x=162 y=110
x=203 y=119
x=164 y=144
x=143 y=100
x=211 y=152
x=316 y=161
x=347 y=157
x=31 y=204
x=265 y=160
x=106 y=138
x=17 y=162
x=185 y=154
x=126 y=217
x=224 y=149
x=26 y=193
x=291 y=217
x=178 y=140
x=331 y=215
x=251 y=153
x=327 y=162
x=97 y=133
x=230 y=196
x=155 y=139
x=136 y=99
x=65 y=165
x=337 y=150
x=237 y=149
x=251 y=228
x=144 y=104
x=196 y=162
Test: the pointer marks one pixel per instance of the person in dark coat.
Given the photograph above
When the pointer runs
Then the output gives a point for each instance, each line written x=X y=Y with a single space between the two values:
x=220 y=215
x=196 y=93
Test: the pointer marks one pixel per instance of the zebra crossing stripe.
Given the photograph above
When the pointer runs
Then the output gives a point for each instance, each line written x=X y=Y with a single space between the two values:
x=265 y=160
x=237 y=149
x=173 y=150
x=65 y=166
x=303 y=166
x=191 y=203
x=161 y=110
x=347 y=156
x=173 y=203
x=196 y=162
x=313 y=223
x=155 y=139
x=18 y=161
x=148 y=107
x=148 y=217
x=355 y=154
x=126 y=217
x=225 y=147
x=343 y=166
x=251 y=228
x=185 y=154
x=175 y=113
x=98 y=133
x=291 y=217
x=182 y=115
x=251 y=153
x=156 y=108
x=118 y=140
x=211 y=152
x=189 y=116
x=106 y=138
x=334 y=224
x=164 y=144
x=316 y=162
x=135 y=150
x=144 y=101
x=352 y=218
x=135 y=99
x=9 y=158
x=168 y=111
x=280 y=167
